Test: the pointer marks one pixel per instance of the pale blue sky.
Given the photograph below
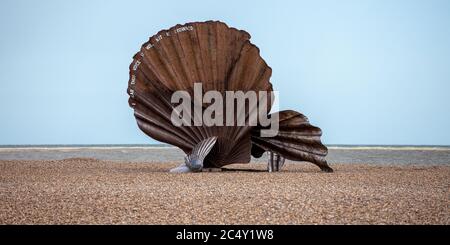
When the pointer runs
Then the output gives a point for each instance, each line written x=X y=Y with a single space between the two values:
x=366 y=72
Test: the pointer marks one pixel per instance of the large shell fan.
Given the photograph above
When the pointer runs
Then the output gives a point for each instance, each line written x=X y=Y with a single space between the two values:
x=211 y=53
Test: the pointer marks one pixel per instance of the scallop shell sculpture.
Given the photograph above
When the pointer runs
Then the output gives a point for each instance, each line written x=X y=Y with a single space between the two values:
x=221 y=59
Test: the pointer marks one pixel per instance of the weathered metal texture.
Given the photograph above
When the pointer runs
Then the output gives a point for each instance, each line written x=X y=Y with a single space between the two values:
x=221 y=59
x=296 y=140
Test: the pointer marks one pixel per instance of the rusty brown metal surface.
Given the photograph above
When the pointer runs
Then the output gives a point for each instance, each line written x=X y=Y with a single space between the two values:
x=222 y=59
x=296 y=140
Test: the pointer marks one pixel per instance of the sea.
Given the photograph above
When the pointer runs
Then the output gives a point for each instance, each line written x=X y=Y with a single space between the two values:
x=343 y=154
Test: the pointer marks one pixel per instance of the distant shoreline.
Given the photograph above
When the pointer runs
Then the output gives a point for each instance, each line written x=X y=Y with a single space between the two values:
x=407 y=155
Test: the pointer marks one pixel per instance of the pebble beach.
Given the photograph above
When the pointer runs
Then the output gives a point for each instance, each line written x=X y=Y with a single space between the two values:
x=91 y=191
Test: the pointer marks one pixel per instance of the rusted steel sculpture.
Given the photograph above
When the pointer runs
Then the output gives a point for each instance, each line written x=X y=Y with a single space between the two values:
x=221 y=59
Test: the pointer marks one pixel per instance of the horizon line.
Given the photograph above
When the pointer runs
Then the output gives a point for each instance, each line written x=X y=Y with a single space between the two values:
x=162 y=146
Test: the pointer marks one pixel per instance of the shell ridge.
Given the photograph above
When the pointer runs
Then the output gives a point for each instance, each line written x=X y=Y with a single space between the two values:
x=188 y=77
x=161 y=112
x=161 y=51
x=151 y=59
x=171 y=65
x=161 y=135
x=166 y=121
x=162 y=95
